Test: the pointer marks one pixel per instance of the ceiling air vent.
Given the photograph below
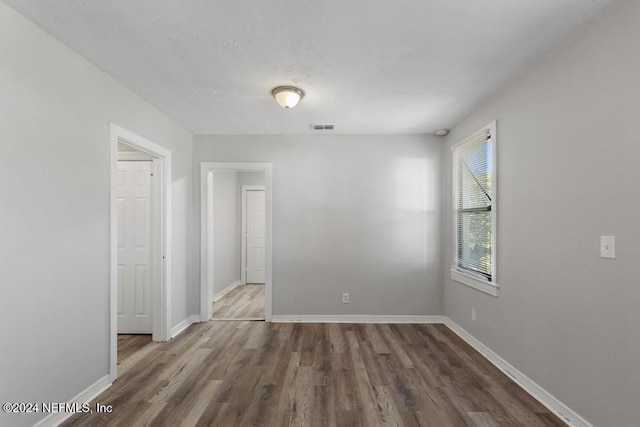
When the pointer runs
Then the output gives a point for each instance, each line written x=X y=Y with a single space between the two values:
x=321 y=127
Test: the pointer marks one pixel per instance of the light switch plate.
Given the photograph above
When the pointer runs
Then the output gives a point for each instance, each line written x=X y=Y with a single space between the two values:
x=607 y=246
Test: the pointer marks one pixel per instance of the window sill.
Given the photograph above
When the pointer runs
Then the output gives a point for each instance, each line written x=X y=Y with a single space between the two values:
x=473 y=282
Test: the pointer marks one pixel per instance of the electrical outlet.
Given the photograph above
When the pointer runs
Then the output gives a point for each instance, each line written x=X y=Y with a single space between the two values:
x=607 y=246
x=473 y=314
x=345 y=298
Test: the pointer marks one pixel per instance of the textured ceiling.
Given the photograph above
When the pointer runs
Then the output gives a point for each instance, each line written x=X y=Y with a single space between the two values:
x=367 y=66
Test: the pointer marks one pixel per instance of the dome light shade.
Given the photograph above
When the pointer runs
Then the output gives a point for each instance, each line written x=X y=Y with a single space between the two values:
x=287 y=96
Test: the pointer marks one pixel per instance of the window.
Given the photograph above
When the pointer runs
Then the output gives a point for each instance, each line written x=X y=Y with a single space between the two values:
x=474 y=210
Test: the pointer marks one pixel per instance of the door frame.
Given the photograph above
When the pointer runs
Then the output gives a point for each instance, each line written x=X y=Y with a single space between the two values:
x=243 y=238
x=207 y=233
x=161 y=295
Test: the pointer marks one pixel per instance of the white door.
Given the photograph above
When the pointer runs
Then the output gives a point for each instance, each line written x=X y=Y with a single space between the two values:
x=255 y=236
x=134 y=247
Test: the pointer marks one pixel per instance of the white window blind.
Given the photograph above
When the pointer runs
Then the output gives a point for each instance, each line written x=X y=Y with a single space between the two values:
x=474 y=204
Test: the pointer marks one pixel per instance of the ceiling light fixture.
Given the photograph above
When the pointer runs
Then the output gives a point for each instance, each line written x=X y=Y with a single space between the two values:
x=287 y=96
x=441 y=132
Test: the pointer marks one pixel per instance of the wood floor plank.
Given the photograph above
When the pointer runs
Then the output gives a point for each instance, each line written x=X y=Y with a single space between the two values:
x=242 y=373
x=336 y=338
x=203 y=400
x=482 y=419
x=396 y=344
x=243 y=302
x=363 y=391
x=286 y=391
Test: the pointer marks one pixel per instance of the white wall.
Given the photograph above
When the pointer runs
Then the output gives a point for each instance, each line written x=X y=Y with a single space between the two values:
x=357 y=214
x=226 y=230
x=250 y=178
x=55 y=110
x=568 y=152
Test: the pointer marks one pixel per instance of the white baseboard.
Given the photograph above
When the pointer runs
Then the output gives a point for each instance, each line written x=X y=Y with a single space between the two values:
x=57 y=418
x=565 y=413
x=180 y=327
x=357 y=319
x=226 y=290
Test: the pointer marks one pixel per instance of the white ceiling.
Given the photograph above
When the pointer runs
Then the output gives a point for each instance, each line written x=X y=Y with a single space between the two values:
x=367 y=66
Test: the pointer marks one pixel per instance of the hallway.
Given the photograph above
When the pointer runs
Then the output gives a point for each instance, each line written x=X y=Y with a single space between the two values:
x=245 y=302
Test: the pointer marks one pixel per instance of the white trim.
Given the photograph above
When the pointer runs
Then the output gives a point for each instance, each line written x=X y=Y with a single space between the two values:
x=134 y=156
x=180 y=327
x=243 y=236
x=226 y=290
x=206 y=231
x=474 y=282
x=206 y=242
x=565 y=413
x=357 y=319
x=161 y=327
x=86 y=396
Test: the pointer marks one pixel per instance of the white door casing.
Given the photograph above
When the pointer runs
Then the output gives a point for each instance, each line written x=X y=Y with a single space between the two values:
x=254 y=234
x=161 y=252
x=135 y=266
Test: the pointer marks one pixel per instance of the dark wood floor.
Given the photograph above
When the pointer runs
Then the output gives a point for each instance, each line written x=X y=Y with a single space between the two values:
x=128 y=345
x=242 y=373
x=132 y=348
x=243 y=302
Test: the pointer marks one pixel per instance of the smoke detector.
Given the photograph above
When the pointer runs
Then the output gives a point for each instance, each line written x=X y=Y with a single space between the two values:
x=321 y=127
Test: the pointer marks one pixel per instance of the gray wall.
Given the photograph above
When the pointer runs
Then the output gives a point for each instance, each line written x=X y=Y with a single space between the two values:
x=226 y=230
x=357 y=214
x=568 y=153
x=250 y=178
x=55 y=110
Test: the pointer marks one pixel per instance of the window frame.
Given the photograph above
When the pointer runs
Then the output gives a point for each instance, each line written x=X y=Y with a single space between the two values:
x=476 y=280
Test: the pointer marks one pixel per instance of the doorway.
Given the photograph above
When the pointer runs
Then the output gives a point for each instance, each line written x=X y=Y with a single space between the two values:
x=239 y=245
x=223 y=273
x=139 y=240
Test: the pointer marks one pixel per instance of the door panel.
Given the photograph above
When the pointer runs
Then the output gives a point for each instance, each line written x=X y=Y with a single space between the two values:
x=255 y=236
x=121 y=272
x=134 y=247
